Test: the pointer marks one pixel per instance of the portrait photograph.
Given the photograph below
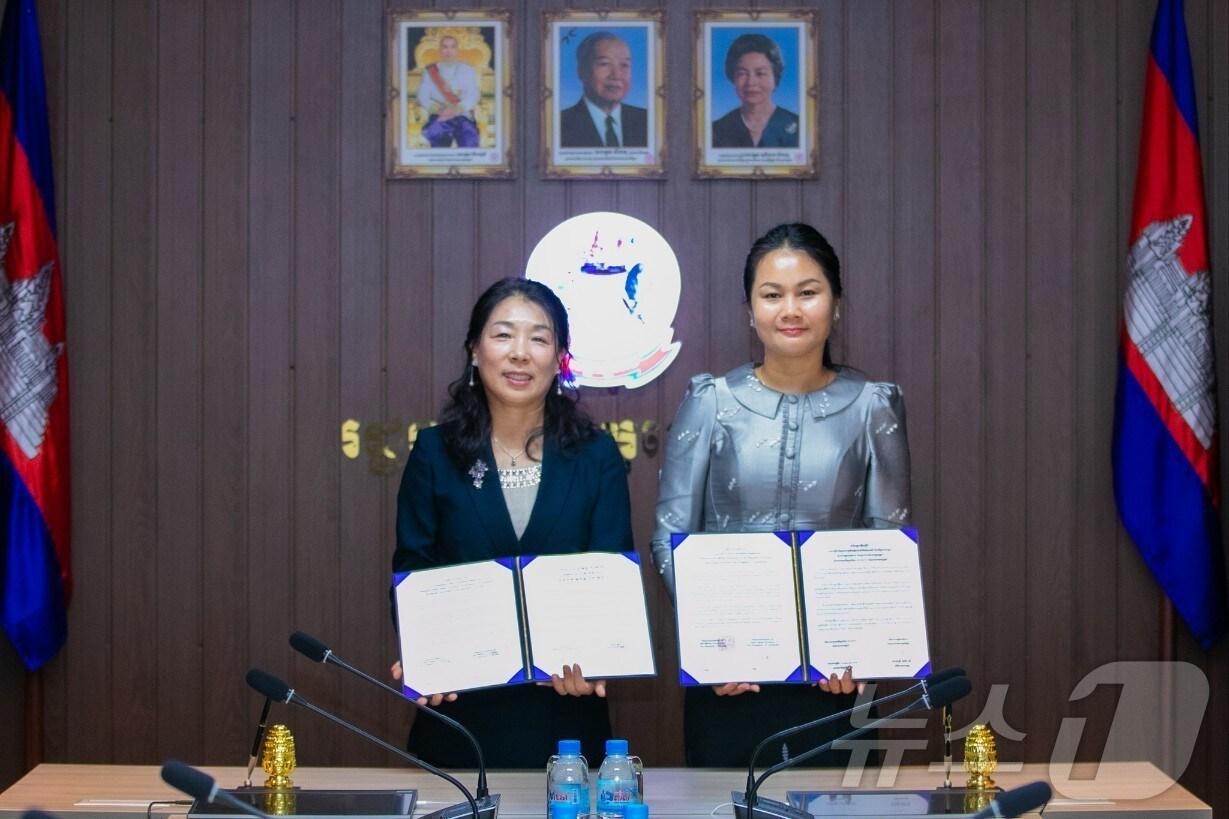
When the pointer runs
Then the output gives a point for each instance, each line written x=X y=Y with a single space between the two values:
x=755 y=99
x=603 y=96
x=450 y=94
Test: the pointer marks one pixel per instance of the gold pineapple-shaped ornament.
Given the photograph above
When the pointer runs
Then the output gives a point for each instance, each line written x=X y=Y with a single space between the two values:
x=980 y=758
x=281 y=803
x=277 y=759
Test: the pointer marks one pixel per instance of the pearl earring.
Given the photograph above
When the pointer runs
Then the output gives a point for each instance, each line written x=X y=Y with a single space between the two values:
x=472 y=366
x=558 y=385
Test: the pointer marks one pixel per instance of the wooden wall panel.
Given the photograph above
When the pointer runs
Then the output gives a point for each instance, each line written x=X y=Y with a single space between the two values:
x=1005 y=357
x=86 y=252
x=316 y=209
x=224 y=301
x=271 y=405
x=959 y=309
x=242 y=279
x=1095 y=328
x=178 y=420
x=134 y=351
x=362 y=511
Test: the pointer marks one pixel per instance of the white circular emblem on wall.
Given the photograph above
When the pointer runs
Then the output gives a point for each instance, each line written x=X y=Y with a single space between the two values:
x=620 y=282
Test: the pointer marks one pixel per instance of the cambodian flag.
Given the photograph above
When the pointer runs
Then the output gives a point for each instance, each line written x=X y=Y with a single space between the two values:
x=35 y=575
x=1165 y=415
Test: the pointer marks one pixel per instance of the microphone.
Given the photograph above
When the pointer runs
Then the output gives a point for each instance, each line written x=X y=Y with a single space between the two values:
x=1017 y=801
x=276 y=690
x=940 y=694
x=924 y=684
x=254 y=756
x=203 y=788
x=313 y=649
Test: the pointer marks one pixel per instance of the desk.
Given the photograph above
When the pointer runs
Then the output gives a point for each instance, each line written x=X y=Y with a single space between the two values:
x=119 y=791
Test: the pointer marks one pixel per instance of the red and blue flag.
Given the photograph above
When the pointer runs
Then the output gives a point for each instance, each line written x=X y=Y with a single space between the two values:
x=35 y=571
x=1165 y=436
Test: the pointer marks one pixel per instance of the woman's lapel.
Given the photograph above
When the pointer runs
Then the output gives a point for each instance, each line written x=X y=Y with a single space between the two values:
x=558 y=474
x=492 y=510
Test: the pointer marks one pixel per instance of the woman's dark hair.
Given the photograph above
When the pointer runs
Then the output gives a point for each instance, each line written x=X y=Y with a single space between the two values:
x=745 y=44
x=466 y=418
x=804 y=239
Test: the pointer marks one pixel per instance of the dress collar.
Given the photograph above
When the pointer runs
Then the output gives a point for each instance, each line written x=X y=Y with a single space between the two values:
x=763 y=400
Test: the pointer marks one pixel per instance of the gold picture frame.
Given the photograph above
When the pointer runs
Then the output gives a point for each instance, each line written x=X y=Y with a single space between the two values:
x=450 y=94
x=744 y=126
x=625 y=81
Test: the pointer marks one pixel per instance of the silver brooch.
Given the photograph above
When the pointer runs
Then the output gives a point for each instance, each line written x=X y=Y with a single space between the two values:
x=478 y=472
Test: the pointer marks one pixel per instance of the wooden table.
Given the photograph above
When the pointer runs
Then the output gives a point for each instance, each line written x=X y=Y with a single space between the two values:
x=1120 y=789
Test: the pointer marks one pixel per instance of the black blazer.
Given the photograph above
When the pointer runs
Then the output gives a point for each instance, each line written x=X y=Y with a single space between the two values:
x=443 y=518
x=576 y=129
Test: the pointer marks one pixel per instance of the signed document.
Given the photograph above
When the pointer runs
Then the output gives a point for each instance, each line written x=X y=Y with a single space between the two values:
x=518 y=620
x=736 y=608
x=862 y=594
x=798 y=607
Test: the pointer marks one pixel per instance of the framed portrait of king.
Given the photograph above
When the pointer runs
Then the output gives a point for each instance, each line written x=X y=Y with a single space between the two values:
x=450 y=94
x=603 y=94
x=756 y=93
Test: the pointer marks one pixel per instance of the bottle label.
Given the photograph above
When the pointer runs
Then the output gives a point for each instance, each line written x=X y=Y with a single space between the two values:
x=569 y=793
x=614 y=795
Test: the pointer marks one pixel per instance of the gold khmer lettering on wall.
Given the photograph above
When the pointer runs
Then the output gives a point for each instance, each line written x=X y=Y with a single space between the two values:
x=387 y=444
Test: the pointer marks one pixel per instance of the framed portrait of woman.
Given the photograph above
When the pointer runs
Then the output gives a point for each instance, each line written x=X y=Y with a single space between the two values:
x=603 y=94
x=449 y=94
x=756 y=93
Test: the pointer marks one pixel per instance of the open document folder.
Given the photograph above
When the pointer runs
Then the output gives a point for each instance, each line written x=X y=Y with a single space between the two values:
x=799 y=607
x=521 y=619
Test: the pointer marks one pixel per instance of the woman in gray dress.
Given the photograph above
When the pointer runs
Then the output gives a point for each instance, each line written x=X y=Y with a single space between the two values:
x=795 y=442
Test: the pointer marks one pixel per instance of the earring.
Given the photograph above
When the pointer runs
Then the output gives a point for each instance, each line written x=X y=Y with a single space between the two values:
x=837 y=316
x=751 y=322
x=558 y=385
x=472 y=366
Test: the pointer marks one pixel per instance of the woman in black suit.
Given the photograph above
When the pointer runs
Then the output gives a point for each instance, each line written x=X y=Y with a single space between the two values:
x=513 y=468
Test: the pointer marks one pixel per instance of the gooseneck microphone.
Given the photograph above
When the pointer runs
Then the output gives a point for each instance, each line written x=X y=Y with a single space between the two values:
x=276 y=690
x=923 y=684
x=1017 y=801
x=936 y=696
x=313 y=649
x=203 y=788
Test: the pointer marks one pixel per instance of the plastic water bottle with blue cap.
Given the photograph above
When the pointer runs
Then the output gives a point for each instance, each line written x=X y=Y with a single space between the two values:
x=620 y=780
x=567 y=778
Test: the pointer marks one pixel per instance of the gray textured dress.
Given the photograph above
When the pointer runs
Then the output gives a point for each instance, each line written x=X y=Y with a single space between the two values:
x=741 y=457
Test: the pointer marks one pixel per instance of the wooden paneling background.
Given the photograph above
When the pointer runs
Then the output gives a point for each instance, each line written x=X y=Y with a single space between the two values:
x=241 y=279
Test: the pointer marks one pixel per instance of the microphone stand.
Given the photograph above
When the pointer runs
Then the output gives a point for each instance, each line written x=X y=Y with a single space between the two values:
x=313 y=649
x=944 y=693
x=923 y=684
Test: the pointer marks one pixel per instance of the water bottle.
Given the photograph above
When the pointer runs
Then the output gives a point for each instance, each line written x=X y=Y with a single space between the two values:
x=567 y=779
x=619 y=780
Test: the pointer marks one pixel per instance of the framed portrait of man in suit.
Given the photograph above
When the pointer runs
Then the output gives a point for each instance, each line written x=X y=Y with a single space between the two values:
x=450 y=94
x=603 y=111
x=755 y=95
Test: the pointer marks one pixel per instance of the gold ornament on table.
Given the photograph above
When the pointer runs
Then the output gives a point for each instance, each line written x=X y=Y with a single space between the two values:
x=980 y=757
x=277 y=759
x=281 y=803
x=974 y=801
